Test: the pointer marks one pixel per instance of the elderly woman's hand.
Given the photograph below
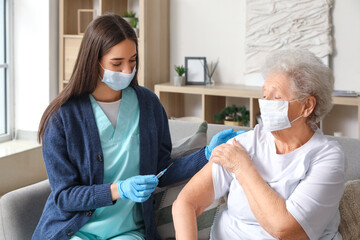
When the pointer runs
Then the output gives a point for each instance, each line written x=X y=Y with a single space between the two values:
x=232 y=157
x=220 y=138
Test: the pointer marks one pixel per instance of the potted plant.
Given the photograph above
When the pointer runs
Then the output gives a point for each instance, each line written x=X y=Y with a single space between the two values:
x=129 y=15
x=233 y=115
x=179 y=79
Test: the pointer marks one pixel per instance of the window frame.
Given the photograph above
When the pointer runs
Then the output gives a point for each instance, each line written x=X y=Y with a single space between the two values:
x=8 y=66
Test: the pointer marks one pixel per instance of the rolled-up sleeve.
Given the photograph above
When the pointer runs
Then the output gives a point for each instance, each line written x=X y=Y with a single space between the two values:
x=221 y=180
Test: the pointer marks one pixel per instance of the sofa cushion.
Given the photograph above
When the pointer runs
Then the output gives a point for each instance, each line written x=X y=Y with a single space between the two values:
x=164 y=197
x=20 y=210
x=183 y=129
x=188 y=145
x=351 y=148
x=350 y=211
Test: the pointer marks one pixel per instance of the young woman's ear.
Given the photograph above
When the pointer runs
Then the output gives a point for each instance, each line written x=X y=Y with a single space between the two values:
x=310 y=103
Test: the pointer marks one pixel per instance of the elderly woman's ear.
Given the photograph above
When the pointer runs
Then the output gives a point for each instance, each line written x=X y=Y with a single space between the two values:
x=309 y=105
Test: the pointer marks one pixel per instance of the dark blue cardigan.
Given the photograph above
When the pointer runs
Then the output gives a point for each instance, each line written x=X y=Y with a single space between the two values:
x=75 y=167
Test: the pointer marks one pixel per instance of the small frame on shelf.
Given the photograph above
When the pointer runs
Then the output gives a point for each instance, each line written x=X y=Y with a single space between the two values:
x=195 y=70
x=84 y=14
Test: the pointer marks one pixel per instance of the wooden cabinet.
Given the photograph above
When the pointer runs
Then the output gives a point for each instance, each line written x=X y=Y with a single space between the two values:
x=213 y=99
x=153 y=35
x=71 y=49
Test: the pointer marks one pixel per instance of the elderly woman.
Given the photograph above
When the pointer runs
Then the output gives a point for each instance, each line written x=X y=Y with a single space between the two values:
x=284 y=179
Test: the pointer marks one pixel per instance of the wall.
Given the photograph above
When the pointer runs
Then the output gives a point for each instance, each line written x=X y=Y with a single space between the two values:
x=214 y=28
x=35 y=60
x=345 y=64
x=21 y=169
x=346 y=31
x=209 y=28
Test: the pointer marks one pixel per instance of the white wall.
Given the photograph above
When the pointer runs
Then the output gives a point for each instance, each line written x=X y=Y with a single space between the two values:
x=14 y=169
x=346 y=32
x=33 y=60
x=209 y=28
x=214 y=28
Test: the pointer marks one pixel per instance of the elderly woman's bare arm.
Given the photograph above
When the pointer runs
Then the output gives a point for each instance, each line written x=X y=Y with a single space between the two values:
x=195 y=197
x=267 y=206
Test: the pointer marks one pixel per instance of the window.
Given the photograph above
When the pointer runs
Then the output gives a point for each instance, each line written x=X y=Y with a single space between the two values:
x=4 y=72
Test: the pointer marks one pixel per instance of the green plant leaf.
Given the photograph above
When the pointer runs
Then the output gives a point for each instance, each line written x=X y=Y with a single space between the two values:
x=180 y=70
x=233 y=113
x=134 y=22
x=129 y=14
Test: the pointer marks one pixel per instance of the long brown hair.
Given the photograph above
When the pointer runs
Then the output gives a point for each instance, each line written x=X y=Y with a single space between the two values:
x=101 y=35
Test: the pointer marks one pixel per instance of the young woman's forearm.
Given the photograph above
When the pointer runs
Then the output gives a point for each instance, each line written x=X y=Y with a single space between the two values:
x=184 y=215
x=114 y=192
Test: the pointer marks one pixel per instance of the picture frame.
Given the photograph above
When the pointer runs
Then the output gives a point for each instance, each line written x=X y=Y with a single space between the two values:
x=84 y=17
x=195 y=70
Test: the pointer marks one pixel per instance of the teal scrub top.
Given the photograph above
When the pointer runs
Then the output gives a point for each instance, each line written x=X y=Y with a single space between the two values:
x=121 y=149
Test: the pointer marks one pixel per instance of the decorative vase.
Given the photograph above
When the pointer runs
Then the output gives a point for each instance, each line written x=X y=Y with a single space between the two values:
x=233 y=123
x=179 y=80
x=210 y=81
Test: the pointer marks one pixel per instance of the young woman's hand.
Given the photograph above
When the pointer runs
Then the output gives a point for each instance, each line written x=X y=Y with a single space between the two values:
x=137 y=188
x=220 y=138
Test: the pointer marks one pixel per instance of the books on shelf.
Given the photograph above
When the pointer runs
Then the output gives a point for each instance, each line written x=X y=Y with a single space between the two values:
x=343 y=93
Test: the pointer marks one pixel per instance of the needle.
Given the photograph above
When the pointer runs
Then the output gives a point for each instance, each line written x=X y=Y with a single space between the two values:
x=163 y=171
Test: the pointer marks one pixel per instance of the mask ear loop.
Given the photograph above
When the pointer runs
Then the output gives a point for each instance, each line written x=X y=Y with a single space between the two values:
x=101 y=66
x=296 y=100
x=296 y=119
x=100 y=77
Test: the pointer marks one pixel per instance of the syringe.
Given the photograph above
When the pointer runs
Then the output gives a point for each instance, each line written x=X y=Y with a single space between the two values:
x=163 y=171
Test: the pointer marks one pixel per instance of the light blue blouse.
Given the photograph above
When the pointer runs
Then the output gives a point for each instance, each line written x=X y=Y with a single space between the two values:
x=121 y=149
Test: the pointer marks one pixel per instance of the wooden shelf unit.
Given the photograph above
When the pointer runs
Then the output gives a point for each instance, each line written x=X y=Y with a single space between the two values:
x=214 y=99
x=153 y=36
x=343 y=101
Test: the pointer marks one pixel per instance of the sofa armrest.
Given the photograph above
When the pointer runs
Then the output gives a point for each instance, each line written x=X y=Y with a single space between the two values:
x=21 y=209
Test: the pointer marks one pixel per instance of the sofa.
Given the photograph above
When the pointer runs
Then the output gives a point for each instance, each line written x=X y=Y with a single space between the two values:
x=21 y=209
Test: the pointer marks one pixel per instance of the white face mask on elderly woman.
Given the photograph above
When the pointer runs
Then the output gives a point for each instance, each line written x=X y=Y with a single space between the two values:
x=274 y=114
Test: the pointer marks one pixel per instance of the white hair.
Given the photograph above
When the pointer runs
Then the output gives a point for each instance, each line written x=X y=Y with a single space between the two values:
x=308 y=77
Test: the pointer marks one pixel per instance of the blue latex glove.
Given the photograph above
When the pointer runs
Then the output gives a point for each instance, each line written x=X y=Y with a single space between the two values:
x=137 y=188
x=220 y=138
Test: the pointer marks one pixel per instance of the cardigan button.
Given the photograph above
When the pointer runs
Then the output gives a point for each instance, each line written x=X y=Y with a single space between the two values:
x=69 y=233
x=100 y=158
x=89 y=213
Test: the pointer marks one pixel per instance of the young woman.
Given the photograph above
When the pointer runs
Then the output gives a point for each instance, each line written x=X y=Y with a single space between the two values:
x=104 y=139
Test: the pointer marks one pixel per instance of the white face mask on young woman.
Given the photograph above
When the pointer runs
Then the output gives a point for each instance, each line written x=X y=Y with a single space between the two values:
x=117 y=80
x=274 y=114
